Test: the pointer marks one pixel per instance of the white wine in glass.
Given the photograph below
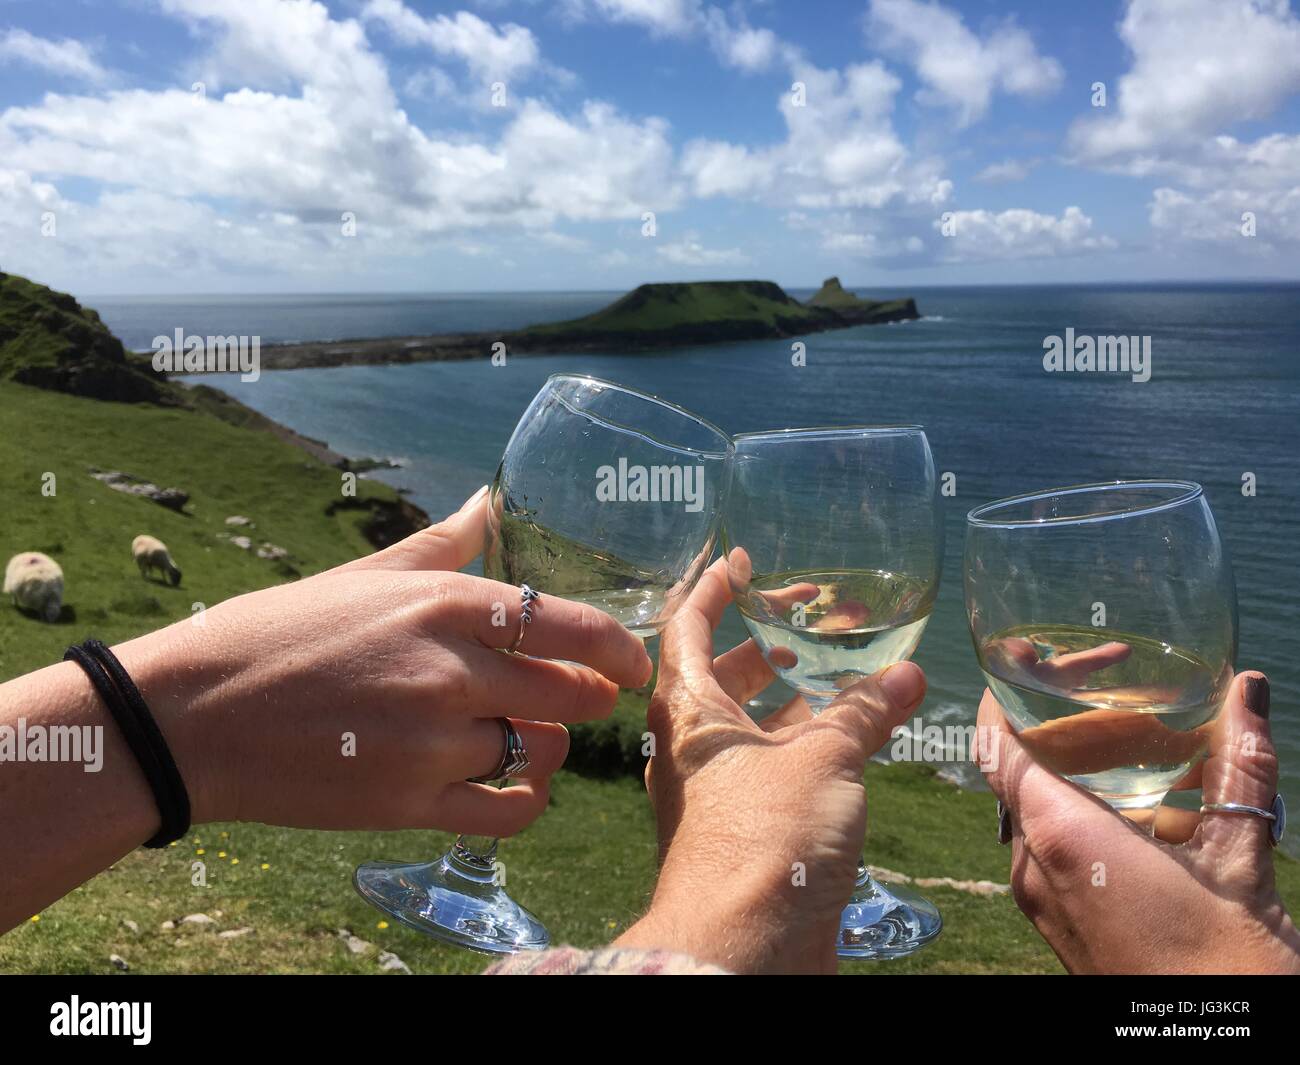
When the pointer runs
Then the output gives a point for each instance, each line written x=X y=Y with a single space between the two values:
x=1104 y=618
x=834 y=541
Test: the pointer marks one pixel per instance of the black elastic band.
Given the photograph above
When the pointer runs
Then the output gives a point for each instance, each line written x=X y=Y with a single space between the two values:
x=142 y=735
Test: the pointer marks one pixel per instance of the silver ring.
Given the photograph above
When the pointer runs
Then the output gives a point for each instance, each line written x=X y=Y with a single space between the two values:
x=514 y=756
x=526 y=599
x=1276 y=815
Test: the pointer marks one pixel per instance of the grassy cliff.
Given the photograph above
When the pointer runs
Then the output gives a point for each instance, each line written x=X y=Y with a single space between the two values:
x=70 y=401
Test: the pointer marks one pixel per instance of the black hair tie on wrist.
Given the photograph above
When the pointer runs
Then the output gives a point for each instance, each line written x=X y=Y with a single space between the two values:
x=142 y=735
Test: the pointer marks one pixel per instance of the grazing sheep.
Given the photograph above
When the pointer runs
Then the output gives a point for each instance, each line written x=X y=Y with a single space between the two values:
x=151 y=553
x=36 y=583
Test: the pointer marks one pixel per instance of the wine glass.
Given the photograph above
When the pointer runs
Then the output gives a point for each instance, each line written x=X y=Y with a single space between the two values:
x=606 y=496
x=1104 y=617
x=834 y=541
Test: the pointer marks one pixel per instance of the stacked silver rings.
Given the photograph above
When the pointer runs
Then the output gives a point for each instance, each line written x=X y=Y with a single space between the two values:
x=514 y=756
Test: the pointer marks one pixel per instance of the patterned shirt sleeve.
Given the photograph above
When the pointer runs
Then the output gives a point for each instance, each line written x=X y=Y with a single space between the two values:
x=607 y=961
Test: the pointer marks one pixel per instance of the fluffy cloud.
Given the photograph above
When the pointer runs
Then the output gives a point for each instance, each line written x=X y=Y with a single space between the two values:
x=690 y=252
x=841 y=149
x=491 y=54
x=66 y=57
x=1017 y=234
x=959 y=68
x=333 y=139
x=1200 y=67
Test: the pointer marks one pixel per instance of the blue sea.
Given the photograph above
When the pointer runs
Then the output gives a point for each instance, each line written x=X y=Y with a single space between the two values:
x=1223 y=402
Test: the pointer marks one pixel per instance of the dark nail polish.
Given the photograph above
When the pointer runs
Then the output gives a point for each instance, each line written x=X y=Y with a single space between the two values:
x=1256 y=694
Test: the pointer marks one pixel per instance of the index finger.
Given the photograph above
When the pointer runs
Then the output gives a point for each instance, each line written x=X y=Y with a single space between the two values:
x=687 y=642
x=490 y=612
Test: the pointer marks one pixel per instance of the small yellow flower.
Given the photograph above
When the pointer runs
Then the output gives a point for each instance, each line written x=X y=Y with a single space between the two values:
x=200 y=851
x=35 y=917
x=225 y=835
x=172 y=843
x=266 y=865
x=234 y=861
x=221 y=854
x=382 y=924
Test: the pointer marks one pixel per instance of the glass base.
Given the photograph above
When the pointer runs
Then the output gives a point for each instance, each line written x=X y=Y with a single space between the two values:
x=886 y=921
x=452 y=902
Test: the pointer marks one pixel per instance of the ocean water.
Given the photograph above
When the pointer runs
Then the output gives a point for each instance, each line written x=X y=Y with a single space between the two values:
x=1223 y=401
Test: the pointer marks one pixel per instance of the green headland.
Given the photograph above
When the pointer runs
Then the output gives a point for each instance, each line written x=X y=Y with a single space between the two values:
x=654 y=316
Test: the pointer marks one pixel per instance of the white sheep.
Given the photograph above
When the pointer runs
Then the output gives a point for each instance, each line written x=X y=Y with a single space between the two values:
x=36 y=583
x=151 y=553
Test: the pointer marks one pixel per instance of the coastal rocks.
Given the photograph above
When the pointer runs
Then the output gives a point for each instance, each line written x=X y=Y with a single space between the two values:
x=239 y=520
x=388 y=520
x=358 y=947
x=171 y=498
x=983 y=888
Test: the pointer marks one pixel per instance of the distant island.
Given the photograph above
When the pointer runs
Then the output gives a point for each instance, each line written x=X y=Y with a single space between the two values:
x=666 y=315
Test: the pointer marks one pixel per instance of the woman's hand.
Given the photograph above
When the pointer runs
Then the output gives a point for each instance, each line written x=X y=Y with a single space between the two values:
x=1110 y=899
x=760 y=828
x=364 y=697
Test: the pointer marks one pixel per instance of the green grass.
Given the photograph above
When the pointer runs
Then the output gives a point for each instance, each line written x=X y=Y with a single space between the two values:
x=87 y=528
x=586 y=868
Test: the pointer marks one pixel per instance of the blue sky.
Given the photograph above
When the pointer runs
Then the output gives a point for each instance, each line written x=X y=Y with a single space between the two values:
x=379 y=145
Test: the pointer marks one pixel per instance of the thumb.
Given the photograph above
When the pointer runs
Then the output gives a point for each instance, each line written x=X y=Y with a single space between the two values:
x=1242 y=768
x=868 y=712
x=449 y=544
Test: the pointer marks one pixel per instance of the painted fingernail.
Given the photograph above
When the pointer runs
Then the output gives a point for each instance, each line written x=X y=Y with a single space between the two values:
x=904 y=683
x=1256 y=694
x=1004 y=824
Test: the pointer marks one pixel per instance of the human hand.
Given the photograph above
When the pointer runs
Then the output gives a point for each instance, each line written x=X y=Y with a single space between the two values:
x=1109 y=898
x=742 y=808
x=398 y=651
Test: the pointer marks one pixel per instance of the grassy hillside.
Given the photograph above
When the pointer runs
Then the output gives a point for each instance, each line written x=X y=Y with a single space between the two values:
x=87 y=527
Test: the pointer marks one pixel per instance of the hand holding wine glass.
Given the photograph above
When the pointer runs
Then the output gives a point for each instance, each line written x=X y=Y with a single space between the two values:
x=1109 y=898
x=759 y=827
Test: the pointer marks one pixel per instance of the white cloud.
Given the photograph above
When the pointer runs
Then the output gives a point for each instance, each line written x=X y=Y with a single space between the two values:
x=675 y=17
x=840 y=150
x=492 y=54
x=959 y=68
x=1017 y=233
x=1198 y=66
x=1226 y=216
x=1007 y=170
x=690 y=252
x=65 y=57
x=335 y=141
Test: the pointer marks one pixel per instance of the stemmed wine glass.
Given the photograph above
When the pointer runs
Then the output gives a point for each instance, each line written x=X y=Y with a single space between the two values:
x=607 y=496
x=834 y=541
x=1104 y=618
